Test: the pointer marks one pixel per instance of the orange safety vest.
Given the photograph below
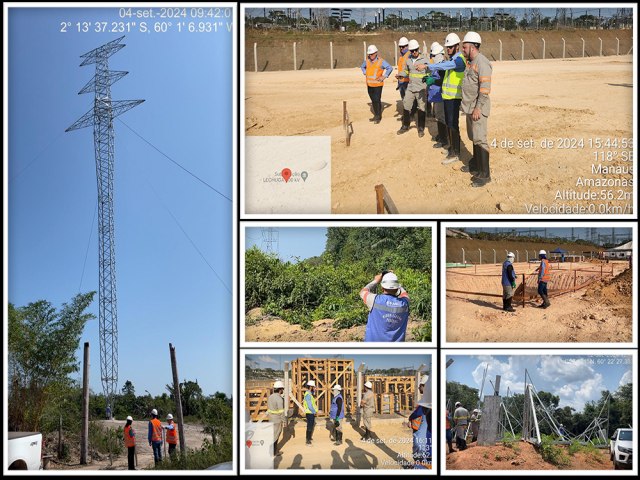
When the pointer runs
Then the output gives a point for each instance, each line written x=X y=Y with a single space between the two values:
x=447 y=418
x=374 y=70
x=416 y=422
x=402 y=61
x=547 y=267
x=129 y=439
x=172 y=435
x=156 y=432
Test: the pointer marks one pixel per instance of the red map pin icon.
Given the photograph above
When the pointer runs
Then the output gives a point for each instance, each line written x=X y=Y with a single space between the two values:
x=286 y=174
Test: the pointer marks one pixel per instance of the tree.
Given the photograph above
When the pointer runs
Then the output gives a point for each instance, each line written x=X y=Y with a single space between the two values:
x=467 y=396
x=190 y=395
x=42 y=356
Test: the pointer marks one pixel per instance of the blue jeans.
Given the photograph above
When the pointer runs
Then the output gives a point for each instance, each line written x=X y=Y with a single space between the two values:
x=157 y=451
x=452 y=113
x=542 y=288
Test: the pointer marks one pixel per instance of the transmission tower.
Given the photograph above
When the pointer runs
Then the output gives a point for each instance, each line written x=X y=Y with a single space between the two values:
x=101 y=118
x=270 y=239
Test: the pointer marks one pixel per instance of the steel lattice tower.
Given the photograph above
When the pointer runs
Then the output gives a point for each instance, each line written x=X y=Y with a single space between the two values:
x=101 y=118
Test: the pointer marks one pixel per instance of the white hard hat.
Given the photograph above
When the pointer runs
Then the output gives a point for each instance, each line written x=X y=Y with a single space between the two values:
x=154 y=412
x=458 y=404
x=368 y=384
x=472 y=37
x=278 y=384
x=511 y=255
x=436 y=48
x=169 y=416
x=311 y=383
x=424 y=379
x=476 y=410
x=542 y=252
x=451 y=39
x=414 y=45
x=337 y=387
x=130 y=418
x=371 y=49
x=403 y=42
x=390 y=280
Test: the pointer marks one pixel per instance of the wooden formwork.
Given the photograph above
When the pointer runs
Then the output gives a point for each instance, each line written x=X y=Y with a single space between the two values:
x=393 y=393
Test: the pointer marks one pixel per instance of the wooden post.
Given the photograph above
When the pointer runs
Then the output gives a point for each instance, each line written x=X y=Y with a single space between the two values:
x=617 y=46
x=176 y=392
x=564 y=44
x=500 y=49
x=544 y=48
x=600 y=45
x=295 y=62
x=331 y=54
x=582 y=46
x=522 y=41
x=255 y=56
x=575 y=279
x=365 y=50
x=524 y=287
x=395 y=50
x=84 y=433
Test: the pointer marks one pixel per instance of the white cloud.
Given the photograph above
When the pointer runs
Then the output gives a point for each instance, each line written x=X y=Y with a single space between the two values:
x=556 y=369
x=268 y=359
x=626 y=378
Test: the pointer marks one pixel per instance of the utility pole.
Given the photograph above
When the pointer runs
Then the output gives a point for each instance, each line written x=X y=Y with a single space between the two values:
x=101 y=118
x=178 y=400
x=84 y=434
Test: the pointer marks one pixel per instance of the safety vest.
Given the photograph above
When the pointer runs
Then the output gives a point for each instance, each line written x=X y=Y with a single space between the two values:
x=546 y=275
x=421 y=436
x=461 y=416
x=308 y=396
x=388 y=319
x=334 y=407
x=452 y=82
x=448 y=417
x=374 y=70
x=172 y=435
x=156 y=430
x=129 y=437
x=401 y=63
x=506 y=281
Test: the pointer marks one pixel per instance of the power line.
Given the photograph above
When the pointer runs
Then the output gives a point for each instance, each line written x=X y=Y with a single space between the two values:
x=88 y=243
x=36 y=157
x=174 y=162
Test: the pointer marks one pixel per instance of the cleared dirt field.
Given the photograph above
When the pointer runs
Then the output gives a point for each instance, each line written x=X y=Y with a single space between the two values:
x=601 y=311
x=581 y=99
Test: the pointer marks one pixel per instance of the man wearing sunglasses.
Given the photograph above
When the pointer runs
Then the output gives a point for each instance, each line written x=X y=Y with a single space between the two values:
x=376 y=70
x=415 y=70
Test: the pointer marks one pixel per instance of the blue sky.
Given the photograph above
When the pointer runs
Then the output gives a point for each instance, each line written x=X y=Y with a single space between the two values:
x=167 y=293
x=408 y=361
x=302 y=242
x=576 y=379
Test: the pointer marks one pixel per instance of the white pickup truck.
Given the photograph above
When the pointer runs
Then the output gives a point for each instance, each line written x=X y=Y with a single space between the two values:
x=621 y=448
x=25 y=451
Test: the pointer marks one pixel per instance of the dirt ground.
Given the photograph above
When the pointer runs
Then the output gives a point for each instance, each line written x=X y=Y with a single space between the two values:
x=266 y=328
x=193 y=437
x=520 y=456
x=602 y=312
x=388 y=450
x=532 y=100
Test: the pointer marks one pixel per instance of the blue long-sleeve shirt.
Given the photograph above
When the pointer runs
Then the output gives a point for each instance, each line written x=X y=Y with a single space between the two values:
x=457 y=65
x=150 y=434
x=308 y=400
x=387 y=68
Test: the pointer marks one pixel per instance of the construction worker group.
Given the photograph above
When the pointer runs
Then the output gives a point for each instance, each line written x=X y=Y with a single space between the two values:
x=453 y=79
x=157 y=435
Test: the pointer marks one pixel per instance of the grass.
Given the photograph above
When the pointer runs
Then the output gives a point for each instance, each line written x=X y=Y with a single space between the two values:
x=552 y=453
x=202 y=459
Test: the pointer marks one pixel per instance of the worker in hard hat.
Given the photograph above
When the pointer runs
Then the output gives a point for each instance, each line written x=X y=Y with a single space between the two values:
x=449 y=434
x=130 y=443
x=376 y=70
x=277 y=414
x=420 y=423
x=336 y=414
x=417 y=90
x=434 y=96
x=508 y=283
x=474 y=424
x=461 y=420
x=423 y=382
x=310 y=409
x=171 y=435
x=476 y=105
x=403 y=82
x=388 y=311
x=155 y=436
x=368 y=406
x=544 y=275
x=452 y=93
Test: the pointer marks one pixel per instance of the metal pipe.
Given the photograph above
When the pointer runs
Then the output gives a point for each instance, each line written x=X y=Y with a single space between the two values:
x=582 y=46
x=295 y=62
x=500 y=49
x=255 y=56
x=544 y=48
x=331 y=53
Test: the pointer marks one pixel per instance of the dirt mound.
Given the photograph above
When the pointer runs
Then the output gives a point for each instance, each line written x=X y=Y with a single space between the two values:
x=267 y=328
x=615 y=293
x=521 y=456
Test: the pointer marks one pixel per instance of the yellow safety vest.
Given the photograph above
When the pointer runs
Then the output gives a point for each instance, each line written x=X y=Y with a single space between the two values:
x=452 y=82
x=313 y=402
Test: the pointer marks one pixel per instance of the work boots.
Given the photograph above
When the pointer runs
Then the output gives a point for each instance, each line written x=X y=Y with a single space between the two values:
x=454 y=147
x=442 y=140
x=450 y=443
x=366 y=436
x=473 y=163
x=338 y=438
x=508 y=307
x=378 y=115
x=406 y=118
x=421 y=123
x=483 y=177
x=545 y=303
x=309 y=438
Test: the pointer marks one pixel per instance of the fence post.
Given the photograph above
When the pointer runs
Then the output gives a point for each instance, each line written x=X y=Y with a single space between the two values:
x=255 y=56
x=524 y=288
x=295 y=62
x=544 y=47
x=331 y=53
x=563 y=47
x=500 y=49
x=495 y=261
x=617 y=46
x=480 y=253
x=517 y=256
x=395 y=49
x=464 y=263
x=575 y=279
x=600 y=45
x=364 y=44
x=582 y=46
x=522 y=48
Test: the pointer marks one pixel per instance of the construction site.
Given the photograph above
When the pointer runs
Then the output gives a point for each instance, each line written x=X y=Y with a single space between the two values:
x=395 y=398
x=523 y=431
x=292 y=89
x=591 y=296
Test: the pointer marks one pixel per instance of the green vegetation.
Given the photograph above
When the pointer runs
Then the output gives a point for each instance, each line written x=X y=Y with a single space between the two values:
x=328 y=286
x=552 y=453
x=467 y=396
